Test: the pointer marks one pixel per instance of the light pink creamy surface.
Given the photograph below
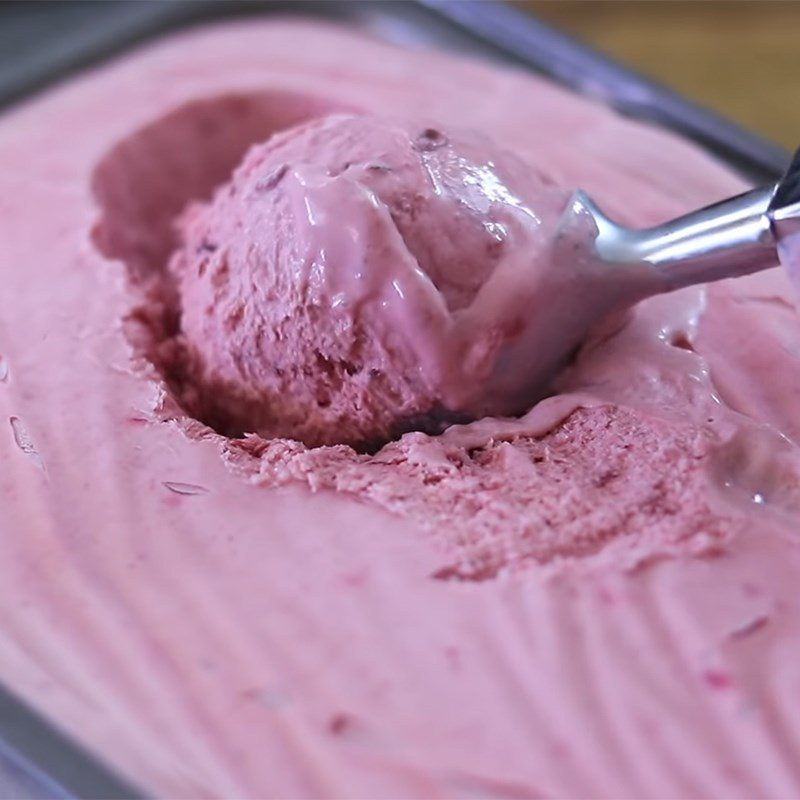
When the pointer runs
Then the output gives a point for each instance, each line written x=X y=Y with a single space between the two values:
x=598 y=599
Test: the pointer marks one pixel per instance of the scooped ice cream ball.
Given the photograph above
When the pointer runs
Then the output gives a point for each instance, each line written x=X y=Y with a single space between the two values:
x=359 y=277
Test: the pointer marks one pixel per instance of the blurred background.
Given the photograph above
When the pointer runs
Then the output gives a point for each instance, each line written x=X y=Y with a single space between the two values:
x=739 y=57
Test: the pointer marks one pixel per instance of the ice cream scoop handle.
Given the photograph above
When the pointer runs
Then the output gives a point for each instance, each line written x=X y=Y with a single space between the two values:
x=784 y=207
x=734 y=237
x=725 y=240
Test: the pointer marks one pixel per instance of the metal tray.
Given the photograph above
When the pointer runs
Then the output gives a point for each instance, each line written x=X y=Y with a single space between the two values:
x=47 y=41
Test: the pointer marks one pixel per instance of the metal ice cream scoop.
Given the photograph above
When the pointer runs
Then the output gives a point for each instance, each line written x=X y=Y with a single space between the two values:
x=735 y=237
x=601 y=267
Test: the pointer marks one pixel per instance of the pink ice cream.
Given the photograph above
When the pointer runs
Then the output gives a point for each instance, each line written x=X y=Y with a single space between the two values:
x=359 y=278
x=597 y=598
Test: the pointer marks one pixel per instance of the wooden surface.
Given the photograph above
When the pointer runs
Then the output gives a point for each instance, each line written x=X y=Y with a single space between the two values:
x=740 y=57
